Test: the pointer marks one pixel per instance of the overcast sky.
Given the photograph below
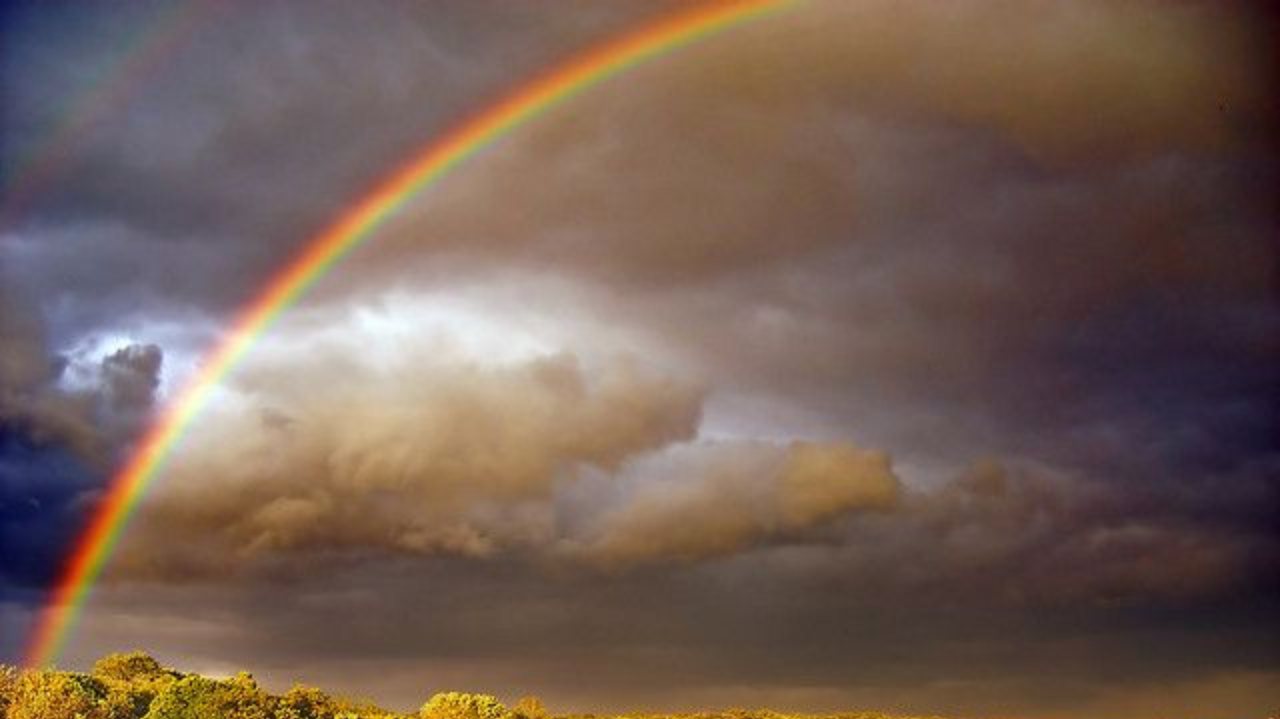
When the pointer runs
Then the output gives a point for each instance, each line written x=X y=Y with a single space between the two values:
x=913 y=356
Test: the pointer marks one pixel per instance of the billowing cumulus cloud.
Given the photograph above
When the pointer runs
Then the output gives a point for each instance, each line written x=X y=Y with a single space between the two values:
x=597 y=464
x=432 y=457
x=722 y=498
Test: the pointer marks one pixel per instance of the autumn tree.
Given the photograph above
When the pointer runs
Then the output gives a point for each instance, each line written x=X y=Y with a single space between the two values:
x=195 y=697
x=57 y=695
x=132 y=681
x=8 y=684
x=530 y=708
x=460 y=705
x=128 y=667
x=303 y=702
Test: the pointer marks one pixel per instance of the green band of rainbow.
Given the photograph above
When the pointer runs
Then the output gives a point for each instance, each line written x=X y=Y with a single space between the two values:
x=352 y=226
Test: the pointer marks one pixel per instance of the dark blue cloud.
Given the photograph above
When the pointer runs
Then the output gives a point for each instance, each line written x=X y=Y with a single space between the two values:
x=46 y=492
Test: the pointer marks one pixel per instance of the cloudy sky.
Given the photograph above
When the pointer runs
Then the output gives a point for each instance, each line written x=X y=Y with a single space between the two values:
x=914 y=356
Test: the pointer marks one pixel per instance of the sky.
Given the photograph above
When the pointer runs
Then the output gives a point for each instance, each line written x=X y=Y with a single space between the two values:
x=910 y=356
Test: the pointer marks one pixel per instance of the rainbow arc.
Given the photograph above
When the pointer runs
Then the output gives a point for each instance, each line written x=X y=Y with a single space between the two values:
x=322 y=252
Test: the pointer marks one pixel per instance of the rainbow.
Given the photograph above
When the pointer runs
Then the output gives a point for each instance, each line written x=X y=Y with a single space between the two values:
x=149 y=52
x=319 y=255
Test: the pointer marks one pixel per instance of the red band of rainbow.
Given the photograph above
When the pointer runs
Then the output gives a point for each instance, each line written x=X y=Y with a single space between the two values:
x=321 y=253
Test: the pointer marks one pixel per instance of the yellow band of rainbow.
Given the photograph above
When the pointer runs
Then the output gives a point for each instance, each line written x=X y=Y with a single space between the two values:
x=321 y=253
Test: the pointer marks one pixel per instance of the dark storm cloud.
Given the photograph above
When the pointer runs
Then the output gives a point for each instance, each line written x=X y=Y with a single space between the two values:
x=912 y=355
x=925 y=258
x=928 y=605
x=697 y=635
x=203 y=171
x=56 y=441
x=39 y=404
x=947 y=284
x=129 y=378
x=30 y=399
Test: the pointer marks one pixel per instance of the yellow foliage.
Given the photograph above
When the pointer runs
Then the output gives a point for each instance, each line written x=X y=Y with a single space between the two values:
x=459 y=705
x=135 y=686
x=57 y=695
x=530 y=708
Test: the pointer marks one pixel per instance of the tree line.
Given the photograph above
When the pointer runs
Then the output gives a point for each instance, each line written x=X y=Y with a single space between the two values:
x=136 y=686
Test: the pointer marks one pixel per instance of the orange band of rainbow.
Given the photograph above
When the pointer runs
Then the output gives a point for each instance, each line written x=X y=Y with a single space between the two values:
x=352 y=226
